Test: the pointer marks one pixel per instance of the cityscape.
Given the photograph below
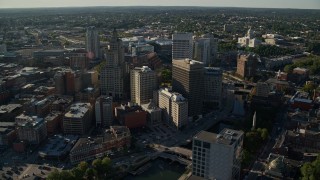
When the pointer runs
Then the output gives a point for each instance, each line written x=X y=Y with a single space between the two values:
x=159 y=92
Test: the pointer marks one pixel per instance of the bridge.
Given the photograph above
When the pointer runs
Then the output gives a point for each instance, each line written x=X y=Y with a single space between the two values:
x=175 y=158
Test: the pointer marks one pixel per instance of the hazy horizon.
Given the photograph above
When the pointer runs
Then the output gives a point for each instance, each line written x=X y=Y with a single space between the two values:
x=291 y=4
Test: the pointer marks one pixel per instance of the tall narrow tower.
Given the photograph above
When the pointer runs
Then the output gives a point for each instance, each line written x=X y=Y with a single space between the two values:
x=112 y=75
x=92 y=43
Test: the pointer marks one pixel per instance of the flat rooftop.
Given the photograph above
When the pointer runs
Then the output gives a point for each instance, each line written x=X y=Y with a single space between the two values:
x=226 y=136
x=78 y=110
x=9 y=108
x=58 y=145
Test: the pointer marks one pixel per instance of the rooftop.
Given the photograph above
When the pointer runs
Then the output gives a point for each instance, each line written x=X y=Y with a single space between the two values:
x=226 y=136
x=114 y=133
x=78 y=110
x=9 y=108
x=24 y=120
x=58 y=145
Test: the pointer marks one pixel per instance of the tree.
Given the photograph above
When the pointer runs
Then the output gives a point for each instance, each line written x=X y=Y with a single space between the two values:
x=106 y=163
x=90 y=174
x=311 y=171
x=83 y=166
x=309 y=87
x=66 y=175
x=98 y=167
x=289 y=68
x=264 y=134
x=307 y=171
x=54 y=175
x=78 y=173
x=166 y=75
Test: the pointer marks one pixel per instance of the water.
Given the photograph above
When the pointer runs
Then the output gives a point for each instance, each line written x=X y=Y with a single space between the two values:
x=161 y=169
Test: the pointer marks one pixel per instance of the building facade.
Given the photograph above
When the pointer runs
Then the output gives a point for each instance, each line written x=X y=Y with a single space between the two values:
x=143 y=83
x=112 y=75
x=113 y=139
x=202 y=50
x=104 y=111
x=262 y=89
x=212 y=87
x=154 y=117
x=182 y=45
x=174 y=107
x=217 y=156
x=31 y=129
x=246 y=65
x=78 y=119
x=92 y=43
x=187 y=79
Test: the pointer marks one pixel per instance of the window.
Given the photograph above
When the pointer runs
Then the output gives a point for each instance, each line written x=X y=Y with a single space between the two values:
x=197 y=143
x=206 y=145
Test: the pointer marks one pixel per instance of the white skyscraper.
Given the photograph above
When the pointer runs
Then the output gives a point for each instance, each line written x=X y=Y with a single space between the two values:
x=217 y=156
x=182 y=45
x=175 y=108
x=104 y=111
x=143 y=83
x=92 y=43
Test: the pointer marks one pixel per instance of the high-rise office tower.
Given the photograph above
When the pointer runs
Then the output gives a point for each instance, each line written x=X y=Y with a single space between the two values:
x=217 y=156
x=187 y=79
x=143 y=83
x=202 y=50
x=92 y=43
x=104 y=111
x=213 y=48
x=212 y=86
x=112 y=75
x=182 y=45
x=175 y=108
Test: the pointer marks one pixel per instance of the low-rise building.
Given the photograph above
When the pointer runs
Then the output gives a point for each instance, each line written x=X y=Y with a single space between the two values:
x=57 y=147
x=78 y=119
x=131 y=116
x=113 y=139
x=154 y=117
x=54 y=122
x=31 y=129
x=61 y=103
x=7 y=134
x=9 y=112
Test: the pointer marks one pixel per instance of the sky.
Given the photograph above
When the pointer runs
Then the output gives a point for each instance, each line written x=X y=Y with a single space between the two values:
x=299 y=4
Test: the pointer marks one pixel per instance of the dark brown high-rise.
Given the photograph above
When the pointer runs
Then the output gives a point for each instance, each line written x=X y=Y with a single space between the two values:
x=187 y=79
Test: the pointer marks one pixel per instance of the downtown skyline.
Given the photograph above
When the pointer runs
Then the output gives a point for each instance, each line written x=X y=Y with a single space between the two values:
x=294 y=4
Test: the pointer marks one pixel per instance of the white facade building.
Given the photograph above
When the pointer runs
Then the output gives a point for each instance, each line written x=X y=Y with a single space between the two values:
x=249 y=40
x=175 y=108
x=217 y=156
x=143 y=83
